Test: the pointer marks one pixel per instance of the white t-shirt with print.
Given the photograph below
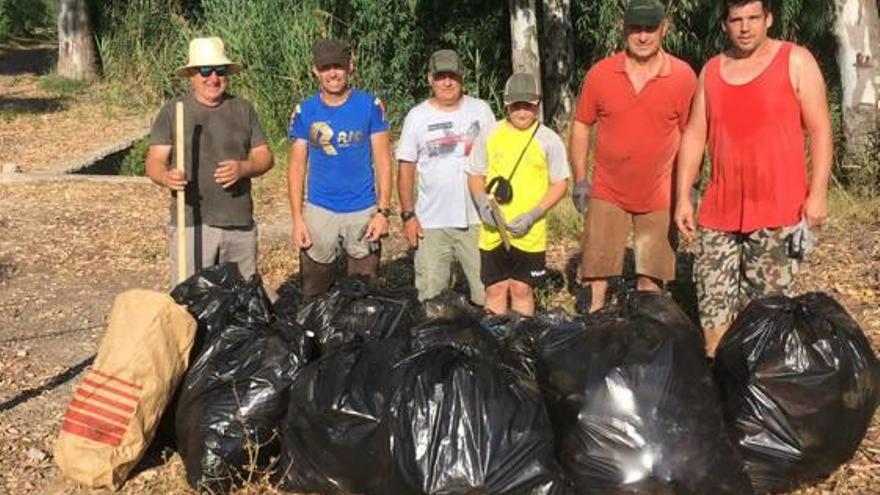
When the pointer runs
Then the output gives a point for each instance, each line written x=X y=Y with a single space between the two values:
x=440 y=143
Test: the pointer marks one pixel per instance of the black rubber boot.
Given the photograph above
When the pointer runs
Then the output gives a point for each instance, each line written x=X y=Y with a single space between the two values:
x=316 y=277
x=366 y=267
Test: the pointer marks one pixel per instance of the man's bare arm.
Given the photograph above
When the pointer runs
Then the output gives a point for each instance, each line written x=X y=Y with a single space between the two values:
x=579 y=149
x=296 y=177
x=156 y=167
x=812 y=94
x=690 y=156
x=381 y=144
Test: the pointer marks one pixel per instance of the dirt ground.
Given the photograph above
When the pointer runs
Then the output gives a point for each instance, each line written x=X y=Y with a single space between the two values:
x=68 y=246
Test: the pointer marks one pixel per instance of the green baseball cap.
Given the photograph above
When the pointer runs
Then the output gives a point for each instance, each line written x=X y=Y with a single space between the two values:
x=327 y=51
x=522 y=86
x=445 y=61
x=646 y=13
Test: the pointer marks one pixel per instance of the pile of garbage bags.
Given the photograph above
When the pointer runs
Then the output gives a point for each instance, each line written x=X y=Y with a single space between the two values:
x=367 y=391
x=800 y=385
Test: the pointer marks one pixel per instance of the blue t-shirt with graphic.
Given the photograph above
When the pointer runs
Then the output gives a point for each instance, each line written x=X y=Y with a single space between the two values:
x=340 y=174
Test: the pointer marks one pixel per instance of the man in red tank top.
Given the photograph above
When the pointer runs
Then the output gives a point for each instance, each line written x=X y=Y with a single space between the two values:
x=754 y=104
x=638 y=101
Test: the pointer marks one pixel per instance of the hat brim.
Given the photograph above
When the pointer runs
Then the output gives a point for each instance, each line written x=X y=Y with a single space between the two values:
x=190 y=70
x=522 y=97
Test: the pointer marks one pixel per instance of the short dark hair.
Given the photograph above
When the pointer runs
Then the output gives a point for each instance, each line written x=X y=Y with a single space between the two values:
x=729 y=4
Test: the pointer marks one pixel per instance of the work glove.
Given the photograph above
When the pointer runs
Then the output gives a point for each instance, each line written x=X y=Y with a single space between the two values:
x=801 y=241
x=485 y=210
x=521 y=224
x=580 y=195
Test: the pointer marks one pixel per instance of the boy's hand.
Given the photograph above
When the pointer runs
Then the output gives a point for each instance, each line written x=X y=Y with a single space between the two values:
x=521 y=224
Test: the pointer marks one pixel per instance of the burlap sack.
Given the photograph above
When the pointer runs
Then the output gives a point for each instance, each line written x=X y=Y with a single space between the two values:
x=115 y=410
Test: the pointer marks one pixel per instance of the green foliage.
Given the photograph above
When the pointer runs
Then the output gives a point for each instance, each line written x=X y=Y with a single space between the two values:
x=24 y=17
x=133 y=163
x=62 y=86
x=140 y=43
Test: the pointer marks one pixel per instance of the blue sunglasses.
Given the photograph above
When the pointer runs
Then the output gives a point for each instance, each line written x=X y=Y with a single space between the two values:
x=220 y=70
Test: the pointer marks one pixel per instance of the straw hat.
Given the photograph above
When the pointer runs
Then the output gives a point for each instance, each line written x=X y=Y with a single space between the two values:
x=207 y=52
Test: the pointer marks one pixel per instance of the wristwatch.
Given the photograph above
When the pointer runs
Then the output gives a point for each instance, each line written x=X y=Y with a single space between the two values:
x=386 y=212
x=405 y=216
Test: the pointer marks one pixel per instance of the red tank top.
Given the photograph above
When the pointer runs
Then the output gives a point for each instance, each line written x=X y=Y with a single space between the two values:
x=756 y=143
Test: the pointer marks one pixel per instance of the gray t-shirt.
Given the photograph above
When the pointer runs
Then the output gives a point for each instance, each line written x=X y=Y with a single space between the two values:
x=440 y=142
x=212 y=135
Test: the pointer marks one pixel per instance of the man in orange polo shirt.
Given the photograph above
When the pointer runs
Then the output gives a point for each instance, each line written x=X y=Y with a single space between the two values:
x=638 y=101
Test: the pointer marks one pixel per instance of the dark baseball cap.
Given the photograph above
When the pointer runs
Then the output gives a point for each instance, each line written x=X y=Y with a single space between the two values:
x=522 y=86
x=327 y=52
x=645 y=13
x=445 y=61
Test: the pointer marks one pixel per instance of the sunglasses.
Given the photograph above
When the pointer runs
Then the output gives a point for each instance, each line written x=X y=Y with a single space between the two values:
x=220 y=70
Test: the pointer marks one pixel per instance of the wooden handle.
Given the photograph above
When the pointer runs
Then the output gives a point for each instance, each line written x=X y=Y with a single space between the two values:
x=500 y=223
x=181 y=195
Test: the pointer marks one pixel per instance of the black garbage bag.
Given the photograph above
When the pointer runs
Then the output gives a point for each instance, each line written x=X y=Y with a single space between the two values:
x=334 y=437
x=350 y=311
x=234 y=394
x=461 y=424
x=800 y=385
x=633 y=404
x=209 y=295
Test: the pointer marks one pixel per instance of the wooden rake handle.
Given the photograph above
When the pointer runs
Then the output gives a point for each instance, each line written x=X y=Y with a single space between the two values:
x=179 y=142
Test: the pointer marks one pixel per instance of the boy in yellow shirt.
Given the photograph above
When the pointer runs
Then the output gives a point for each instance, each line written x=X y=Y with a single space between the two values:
x=525 y=165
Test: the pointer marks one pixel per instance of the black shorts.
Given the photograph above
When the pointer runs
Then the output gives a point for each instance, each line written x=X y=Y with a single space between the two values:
x=499 y=265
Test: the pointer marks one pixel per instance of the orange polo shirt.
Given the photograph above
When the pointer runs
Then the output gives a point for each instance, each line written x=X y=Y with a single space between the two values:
x=637 y=134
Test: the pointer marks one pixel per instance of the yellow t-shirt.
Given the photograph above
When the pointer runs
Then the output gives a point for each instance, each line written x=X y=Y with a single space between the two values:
x=543 y=163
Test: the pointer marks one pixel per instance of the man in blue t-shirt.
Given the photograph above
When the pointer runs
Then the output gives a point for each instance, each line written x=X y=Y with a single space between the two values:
x=337 y=135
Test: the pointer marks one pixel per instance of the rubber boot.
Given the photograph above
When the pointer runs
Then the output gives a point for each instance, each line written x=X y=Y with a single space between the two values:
x=316 y=277
x=366 y=267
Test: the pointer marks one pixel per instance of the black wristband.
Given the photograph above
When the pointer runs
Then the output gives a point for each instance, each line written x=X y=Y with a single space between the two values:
x=386 y=212
x=405 y=216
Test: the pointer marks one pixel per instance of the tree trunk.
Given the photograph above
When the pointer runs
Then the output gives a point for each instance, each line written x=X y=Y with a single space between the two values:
x=524 y=38
x=858 y=35
x=77 y=55
x=558 y=62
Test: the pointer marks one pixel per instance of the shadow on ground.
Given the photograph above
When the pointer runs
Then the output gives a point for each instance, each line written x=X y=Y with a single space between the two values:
x=17 y=106
x=35 y=60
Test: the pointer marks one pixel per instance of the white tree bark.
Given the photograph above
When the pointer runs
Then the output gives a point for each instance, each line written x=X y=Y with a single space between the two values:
x=558 y=62
x=77 y=54
x=524 y=38
x=858 y=34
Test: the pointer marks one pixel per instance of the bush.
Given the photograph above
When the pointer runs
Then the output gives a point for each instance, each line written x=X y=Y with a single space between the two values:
x=24 y=18
x=133 y=163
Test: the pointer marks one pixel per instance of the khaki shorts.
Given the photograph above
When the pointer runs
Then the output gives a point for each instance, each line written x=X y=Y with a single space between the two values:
x=435 y=254
x=216 y=245
x=606 y=229
x=732 y=268
x=333 y=233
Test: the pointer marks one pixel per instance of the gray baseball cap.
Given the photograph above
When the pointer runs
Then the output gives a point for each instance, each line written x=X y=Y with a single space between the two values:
x=445 y=61
x=522 y=86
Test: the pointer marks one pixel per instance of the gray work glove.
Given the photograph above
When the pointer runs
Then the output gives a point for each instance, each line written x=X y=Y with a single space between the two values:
x=485 y=210
x=801 y=241
x=580 y=195
x=521 y=224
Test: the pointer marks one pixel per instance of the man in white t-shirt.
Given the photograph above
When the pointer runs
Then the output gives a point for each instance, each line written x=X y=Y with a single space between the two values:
x=436 y=141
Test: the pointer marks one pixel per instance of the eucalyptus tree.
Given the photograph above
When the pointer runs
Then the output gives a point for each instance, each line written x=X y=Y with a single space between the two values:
x=77 y=54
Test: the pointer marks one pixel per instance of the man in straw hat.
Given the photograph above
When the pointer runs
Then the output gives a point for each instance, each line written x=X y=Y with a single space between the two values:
x=337 y=136
x=224 y=148
x=529 y=158
x=637 y=102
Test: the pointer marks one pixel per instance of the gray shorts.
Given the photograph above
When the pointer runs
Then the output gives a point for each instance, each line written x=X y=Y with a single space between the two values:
x=332 y=233
x=216 y=245
x=435 y=254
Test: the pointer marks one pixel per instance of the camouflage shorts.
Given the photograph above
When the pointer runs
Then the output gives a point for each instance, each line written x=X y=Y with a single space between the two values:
x=733 y=268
